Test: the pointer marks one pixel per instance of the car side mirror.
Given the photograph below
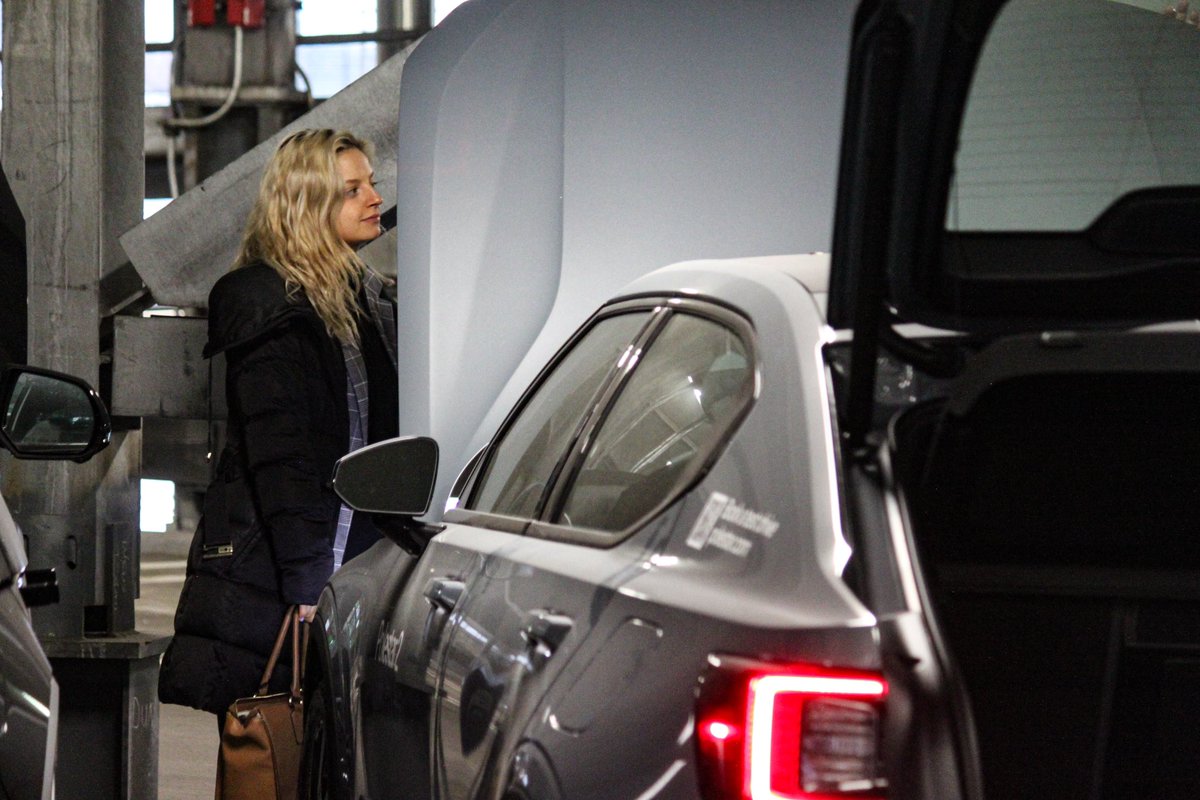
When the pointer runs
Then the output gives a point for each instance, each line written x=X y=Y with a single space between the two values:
x=395 y=476
x=51 y=415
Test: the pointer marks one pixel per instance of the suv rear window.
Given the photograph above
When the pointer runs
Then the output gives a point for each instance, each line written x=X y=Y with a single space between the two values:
x=1073 y=106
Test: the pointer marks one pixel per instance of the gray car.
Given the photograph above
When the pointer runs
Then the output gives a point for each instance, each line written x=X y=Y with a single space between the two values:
x=45 y=415
x=916 y=519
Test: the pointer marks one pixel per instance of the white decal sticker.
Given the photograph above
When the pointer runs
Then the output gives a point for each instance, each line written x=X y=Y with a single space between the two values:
x=749 y=520
x=718 y=519
x=724 y=539
x=708 y=518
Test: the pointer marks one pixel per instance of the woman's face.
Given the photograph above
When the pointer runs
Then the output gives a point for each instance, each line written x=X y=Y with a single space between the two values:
x=358 y=219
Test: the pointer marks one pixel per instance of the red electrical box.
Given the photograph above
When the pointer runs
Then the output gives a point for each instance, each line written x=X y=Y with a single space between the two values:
x=201 y=13
x=246 y=13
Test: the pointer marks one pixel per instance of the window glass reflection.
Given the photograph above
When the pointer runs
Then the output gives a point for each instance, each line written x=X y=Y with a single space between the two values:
x=525 y=459
x=47 y=415
x=686 y=392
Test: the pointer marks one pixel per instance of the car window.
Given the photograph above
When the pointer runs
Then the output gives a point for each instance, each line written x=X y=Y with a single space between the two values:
x=523 y=461
x=688 y=389
x=1072 y=106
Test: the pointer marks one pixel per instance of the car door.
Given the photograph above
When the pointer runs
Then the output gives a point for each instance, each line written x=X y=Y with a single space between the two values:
x=440 y=602
x=654 y=429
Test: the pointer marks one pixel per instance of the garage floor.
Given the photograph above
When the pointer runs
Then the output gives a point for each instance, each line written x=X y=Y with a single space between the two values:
x=187 y=748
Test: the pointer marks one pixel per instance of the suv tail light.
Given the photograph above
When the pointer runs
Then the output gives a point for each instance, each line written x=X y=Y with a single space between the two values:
x=788 y=732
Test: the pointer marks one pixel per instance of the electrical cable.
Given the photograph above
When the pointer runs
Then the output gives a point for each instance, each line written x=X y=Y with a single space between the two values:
x=200 y=122
x=171 y=125
x=172 y=178
x=308 y=95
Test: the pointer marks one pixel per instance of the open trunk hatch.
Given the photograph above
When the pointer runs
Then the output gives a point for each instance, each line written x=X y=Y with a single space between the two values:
x=1020 y=166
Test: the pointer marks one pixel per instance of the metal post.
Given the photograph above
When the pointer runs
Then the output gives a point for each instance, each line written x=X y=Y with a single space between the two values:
x=71 y=144
x=402 y=15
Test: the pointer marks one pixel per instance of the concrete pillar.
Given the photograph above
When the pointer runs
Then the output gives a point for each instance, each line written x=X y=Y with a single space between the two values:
x=71 y=145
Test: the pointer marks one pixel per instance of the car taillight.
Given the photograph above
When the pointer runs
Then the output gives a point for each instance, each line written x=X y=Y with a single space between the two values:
x=788 y=732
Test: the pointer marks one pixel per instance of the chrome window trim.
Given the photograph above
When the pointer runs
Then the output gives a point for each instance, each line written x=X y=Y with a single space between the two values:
x=569 y=466
x=486 y=519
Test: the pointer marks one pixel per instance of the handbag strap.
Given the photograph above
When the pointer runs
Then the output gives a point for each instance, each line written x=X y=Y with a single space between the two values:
x=290 y=620
x=299 y=654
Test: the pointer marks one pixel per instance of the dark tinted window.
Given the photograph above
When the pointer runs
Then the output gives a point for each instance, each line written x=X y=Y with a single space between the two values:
x=687 y=390
x=524 y=460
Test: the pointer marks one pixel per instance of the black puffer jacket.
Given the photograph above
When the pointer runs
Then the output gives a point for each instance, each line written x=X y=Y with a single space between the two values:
x=269 y=517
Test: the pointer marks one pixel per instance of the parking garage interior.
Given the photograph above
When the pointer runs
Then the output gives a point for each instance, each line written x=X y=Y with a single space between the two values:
x=132 y=137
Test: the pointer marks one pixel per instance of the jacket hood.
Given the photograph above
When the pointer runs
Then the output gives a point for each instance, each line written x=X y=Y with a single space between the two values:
x=247 y=303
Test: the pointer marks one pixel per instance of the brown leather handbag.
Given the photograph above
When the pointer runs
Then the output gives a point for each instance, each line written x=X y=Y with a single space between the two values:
x=263 y=736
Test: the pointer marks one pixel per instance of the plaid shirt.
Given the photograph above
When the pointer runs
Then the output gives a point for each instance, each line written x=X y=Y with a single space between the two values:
x=383 y=314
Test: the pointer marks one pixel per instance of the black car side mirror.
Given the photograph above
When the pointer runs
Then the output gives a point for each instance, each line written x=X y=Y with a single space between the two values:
x=394 y=477
x=51 y=415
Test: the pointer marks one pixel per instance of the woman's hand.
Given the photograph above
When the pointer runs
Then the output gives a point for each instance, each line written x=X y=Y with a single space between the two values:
x=307 y=613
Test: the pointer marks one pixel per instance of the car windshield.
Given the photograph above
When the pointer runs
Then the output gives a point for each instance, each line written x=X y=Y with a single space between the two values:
x=1074 y=106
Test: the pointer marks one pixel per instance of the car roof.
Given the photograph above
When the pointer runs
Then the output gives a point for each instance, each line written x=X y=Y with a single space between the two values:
x=726 y=279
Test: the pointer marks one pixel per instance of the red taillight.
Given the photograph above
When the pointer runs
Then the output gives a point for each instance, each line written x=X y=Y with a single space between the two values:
x=788 y=732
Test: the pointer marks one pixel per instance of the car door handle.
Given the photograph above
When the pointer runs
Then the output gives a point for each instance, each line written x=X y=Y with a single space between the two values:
x=544 y=630
x=444 y=593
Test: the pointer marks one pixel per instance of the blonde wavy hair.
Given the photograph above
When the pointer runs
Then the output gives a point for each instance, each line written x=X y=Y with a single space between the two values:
x=293 y=226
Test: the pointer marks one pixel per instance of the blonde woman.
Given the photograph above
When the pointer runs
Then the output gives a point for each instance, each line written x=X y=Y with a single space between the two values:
x=309 y=340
